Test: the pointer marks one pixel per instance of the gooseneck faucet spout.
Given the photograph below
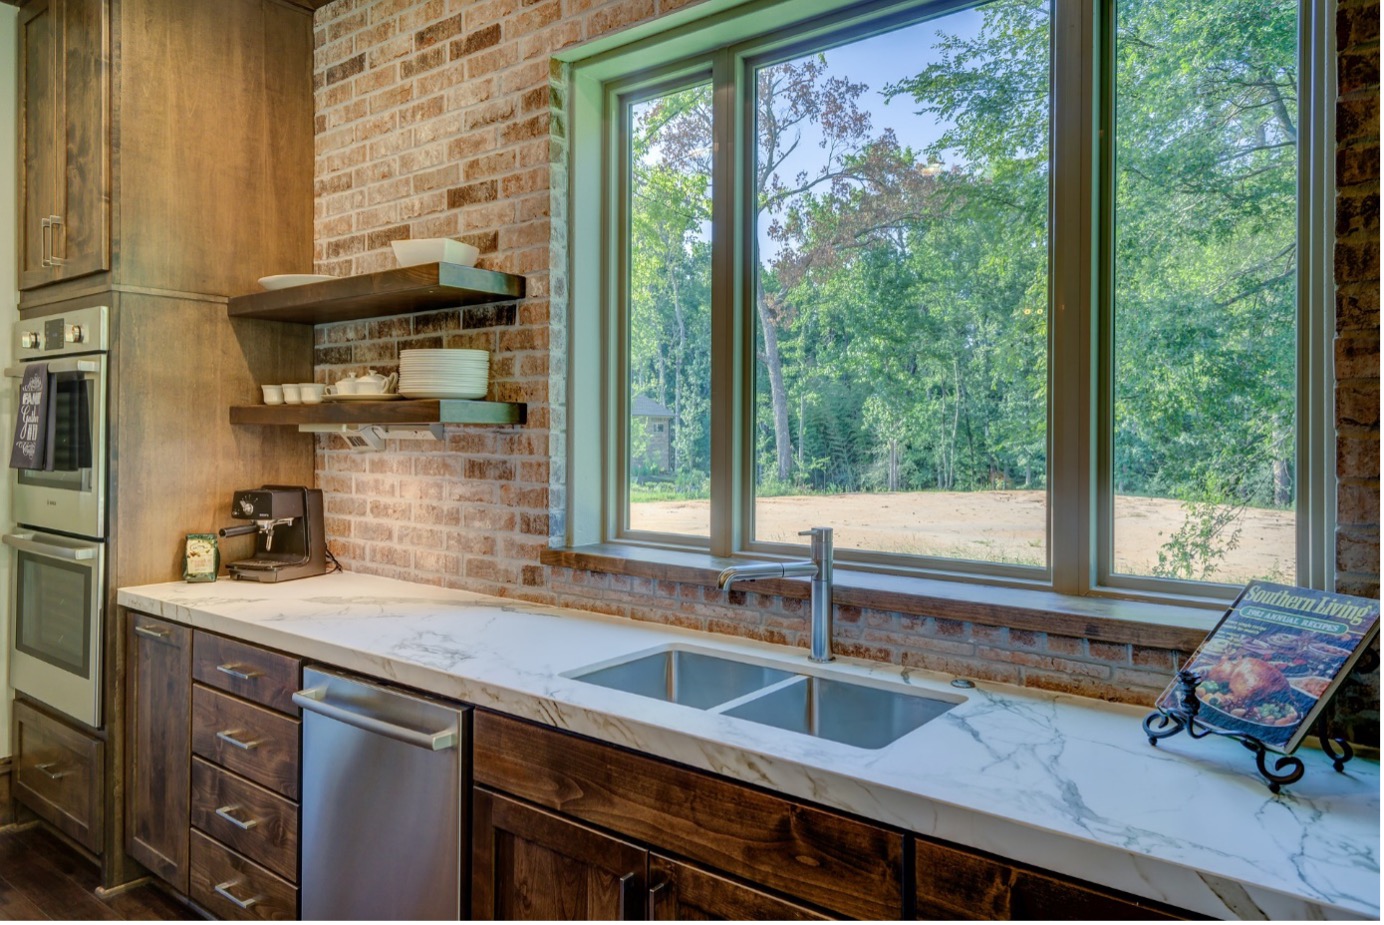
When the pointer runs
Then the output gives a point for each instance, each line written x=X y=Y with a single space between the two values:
x=818 y=568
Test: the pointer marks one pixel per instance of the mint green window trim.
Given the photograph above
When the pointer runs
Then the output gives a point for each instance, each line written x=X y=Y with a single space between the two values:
x=726 y=38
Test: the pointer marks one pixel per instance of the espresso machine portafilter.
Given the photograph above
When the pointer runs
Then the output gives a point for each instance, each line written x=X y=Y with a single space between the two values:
x=289 y=533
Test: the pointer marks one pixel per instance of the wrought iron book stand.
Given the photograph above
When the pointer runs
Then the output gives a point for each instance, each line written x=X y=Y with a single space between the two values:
x=1288 y=769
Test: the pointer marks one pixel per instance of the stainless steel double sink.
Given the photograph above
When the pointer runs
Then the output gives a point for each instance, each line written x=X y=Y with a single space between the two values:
x=850 y=712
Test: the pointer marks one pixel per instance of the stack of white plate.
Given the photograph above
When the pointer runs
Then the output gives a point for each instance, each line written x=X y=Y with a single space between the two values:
x=444 y=373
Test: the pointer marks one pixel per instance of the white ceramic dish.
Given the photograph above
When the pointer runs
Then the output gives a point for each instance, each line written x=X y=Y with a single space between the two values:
x=447 y=393
x=443 y=351
x=375 y=396
x=434 y=250
x=287 y=280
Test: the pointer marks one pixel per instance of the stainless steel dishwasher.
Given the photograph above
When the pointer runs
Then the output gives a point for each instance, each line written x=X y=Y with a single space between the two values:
x=383 y=801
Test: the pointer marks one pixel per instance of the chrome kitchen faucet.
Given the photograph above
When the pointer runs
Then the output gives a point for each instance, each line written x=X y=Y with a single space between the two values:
x=818 y=568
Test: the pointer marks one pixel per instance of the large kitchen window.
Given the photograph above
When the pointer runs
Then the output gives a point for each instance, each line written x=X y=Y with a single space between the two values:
x=1016 y=291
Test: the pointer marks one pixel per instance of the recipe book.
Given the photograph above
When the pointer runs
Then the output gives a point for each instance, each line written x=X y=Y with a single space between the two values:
x=1270 y=666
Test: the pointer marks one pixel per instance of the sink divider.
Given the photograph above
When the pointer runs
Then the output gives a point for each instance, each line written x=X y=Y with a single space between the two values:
x=756 y=694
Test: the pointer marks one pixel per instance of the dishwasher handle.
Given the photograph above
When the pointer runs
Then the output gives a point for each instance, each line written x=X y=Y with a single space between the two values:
x=313 y=700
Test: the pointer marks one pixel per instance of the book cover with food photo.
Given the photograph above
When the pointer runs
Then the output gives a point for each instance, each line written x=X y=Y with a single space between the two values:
x=1272 y=663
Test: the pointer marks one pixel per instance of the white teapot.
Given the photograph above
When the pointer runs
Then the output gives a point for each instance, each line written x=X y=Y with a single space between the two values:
x=372 y=383
x=368 y=383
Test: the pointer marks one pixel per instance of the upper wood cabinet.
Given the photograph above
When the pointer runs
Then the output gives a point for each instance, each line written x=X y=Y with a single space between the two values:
x=165 y=146
x=64 y=182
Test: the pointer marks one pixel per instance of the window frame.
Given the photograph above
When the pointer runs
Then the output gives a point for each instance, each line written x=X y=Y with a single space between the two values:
x=660 y=56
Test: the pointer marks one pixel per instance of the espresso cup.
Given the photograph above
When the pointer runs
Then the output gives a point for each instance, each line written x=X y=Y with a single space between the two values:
x=273 y=394
x=291 y=394
x=311 y=392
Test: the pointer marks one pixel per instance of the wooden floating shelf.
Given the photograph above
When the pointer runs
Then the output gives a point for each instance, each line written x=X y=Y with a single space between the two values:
x=404 y=291
x=411 y=411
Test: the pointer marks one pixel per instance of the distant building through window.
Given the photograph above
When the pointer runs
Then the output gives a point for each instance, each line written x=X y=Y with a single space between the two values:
x=657 y=454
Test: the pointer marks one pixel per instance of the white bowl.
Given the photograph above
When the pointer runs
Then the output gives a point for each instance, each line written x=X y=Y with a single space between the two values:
x=434 y=250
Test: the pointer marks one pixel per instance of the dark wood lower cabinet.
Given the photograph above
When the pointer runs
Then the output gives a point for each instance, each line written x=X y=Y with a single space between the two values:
x=158 y=727
x=782 y=845
x=682 y=892
x=529 y=864
x=59 y=774
x=259 y=824
x=956 y=884
x=230 y=886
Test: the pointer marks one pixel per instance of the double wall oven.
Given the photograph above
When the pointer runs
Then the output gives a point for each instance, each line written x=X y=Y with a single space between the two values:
x=59 y=540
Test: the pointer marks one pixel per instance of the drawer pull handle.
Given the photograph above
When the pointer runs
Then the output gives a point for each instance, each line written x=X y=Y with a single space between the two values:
x=244 y=825
x=658 y=899
x=51 y=775
x=151 y=632
x=240 y=674
x=229 y=737
x=223 y=890
x=626 y=885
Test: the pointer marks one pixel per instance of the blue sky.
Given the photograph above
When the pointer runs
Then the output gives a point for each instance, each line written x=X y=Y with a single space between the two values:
x=878 y=62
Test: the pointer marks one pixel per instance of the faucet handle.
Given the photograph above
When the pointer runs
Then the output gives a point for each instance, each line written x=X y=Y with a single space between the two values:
x=822 y=551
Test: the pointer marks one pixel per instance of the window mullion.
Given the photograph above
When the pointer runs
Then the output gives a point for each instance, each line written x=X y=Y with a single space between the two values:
x=729 y=391
x=1071 y=369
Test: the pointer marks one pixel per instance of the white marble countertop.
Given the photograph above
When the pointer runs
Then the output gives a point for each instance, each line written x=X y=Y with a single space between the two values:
x=1063 y=783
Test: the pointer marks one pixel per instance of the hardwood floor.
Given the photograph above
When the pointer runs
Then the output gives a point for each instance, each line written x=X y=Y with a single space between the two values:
x=42 y=878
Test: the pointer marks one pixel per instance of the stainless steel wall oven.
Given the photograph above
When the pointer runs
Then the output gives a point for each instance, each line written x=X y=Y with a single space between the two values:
x=60 y=539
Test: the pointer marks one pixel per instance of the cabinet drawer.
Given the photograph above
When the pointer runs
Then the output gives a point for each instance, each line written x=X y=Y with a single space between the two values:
x=250 y=740
x=958 y=884
x=59 y=773
x=265 y=677
x=232 y=887
x=260 y=825
x=825 y=858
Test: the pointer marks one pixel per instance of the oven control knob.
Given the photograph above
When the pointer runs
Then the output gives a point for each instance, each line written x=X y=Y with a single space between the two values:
x=74 y=334
x=28 y=340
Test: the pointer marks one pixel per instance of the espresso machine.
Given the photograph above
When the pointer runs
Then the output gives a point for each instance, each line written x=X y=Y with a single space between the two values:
x=289 y=533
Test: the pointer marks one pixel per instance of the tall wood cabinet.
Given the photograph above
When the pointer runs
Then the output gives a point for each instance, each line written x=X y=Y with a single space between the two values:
x=165 y=145
x=166 y=164
x=64 y=182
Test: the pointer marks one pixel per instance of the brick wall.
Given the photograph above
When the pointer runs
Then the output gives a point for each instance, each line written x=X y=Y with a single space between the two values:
x=1357 y=337
x=439 y=118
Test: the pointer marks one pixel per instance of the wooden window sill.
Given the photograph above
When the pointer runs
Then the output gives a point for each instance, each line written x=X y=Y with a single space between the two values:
x=1163 y=626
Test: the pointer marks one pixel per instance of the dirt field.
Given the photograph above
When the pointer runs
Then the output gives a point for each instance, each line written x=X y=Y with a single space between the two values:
x=1000 y=526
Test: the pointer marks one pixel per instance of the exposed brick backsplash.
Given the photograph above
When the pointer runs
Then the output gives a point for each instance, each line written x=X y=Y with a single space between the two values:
x=1357 y=339
x=447 y=118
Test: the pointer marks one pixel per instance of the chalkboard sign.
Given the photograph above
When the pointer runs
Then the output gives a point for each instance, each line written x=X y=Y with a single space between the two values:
x=1269 y=667
x=32 y=447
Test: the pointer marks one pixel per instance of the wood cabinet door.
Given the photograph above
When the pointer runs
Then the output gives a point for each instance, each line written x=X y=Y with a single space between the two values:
x=159 y=747
x=528 y=864
x=39 y=151
x=681 y=892
x=81 y=238
x=64 y=179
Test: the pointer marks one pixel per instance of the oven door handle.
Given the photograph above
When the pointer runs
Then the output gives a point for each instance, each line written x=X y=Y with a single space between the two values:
x=27 y=543
x=59 y=366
